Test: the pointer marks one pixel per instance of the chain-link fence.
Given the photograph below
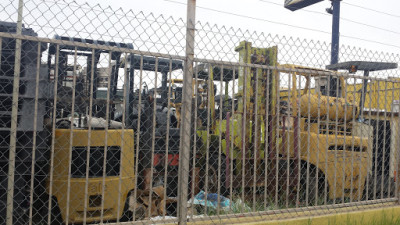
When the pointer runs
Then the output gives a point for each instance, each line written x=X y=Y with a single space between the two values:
x=94 y=121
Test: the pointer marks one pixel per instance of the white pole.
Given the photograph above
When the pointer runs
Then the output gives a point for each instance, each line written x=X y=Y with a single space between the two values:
x=14 y=122
x=184 y=156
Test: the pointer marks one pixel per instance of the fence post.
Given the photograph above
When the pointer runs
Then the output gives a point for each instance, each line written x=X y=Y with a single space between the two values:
x=186 y=114
x=14 y=122
x=397 y=176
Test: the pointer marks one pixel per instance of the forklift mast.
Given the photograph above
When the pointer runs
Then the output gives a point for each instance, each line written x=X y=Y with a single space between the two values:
x=256 y=86
x=83 y=85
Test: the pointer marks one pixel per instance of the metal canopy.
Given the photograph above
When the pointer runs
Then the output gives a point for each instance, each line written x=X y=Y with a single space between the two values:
x=367 y=67
x=149 y=63
x=363 y=65
x=52 y=47
x=204 y=68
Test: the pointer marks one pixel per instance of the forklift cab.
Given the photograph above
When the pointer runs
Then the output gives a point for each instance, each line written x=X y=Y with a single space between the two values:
x=82 y=188
x=380 y=124
x=366 y=67
x=67 y=77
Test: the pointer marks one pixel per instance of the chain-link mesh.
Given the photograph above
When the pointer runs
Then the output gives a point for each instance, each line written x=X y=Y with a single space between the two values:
x=94 y=111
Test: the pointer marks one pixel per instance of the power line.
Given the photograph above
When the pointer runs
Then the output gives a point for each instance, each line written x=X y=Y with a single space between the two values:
x=341 y=18
x=251 y=17
x=285 y=24
x=368 y=25
x=374 y=10
x=371 y=41
x=354 y=5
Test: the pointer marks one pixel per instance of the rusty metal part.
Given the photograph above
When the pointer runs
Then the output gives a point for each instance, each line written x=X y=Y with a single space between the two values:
x=158 y=204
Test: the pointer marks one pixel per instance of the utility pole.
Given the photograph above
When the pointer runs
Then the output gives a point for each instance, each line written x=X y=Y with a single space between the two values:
x=335 y=11
x=184 y=156
x=14 y=114
x=294 y=5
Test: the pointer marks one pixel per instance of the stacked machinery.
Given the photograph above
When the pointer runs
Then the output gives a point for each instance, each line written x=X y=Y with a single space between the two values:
x=85 y=153
x=30 y=137
x=309 y=144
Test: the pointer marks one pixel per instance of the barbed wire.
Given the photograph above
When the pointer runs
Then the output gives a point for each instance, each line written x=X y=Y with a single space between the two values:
x=285 y=24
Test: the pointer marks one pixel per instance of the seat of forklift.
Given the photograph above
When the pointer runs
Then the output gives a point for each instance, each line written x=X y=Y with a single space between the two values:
x=162 y=132
x=229 y=72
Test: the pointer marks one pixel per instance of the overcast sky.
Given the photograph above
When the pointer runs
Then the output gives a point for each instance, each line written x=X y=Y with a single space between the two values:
x=358 y=27
x=365 y=24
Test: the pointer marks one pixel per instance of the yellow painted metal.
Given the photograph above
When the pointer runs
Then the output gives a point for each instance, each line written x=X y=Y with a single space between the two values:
x=237 y=140
x=328 y=144
x=245 y=77
x=354 y=150
x=247 y=89
x=338 y=107
x=375 y=95
x=95 y=184
x=200 y=93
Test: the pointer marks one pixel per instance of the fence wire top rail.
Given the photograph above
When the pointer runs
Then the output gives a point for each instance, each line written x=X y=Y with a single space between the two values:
x=289 y=68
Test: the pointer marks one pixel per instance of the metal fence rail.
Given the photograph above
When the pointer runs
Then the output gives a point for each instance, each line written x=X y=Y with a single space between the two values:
x=93 y=117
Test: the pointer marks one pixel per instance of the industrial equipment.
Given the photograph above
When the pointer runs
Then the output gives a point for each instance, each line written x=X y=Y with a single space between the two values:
x=85 y=129
x=286 y=145
x=382 y=128
x=89 y=168
x=239 y=121
x=26 y=130
x=82 y=162
x=159 y=130
x=332 y=155
x=111 y=171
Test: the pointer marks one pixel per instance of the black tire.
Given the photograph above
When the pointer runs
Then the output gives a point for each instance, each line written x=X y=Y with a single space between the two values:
x=213 y=178
x=314 y=188
x=386 y=192
x=370 y=186
x=126 y=214
x=55 y=212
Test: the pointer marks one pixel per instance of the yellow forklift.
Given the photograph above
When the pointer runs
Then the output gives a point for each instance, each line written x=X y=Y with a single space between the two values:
x=64 y=166
x=100 y=173
x=303 y=148
x=333 y=155
x=233 y=127
x=379 y=118
x=91 y=171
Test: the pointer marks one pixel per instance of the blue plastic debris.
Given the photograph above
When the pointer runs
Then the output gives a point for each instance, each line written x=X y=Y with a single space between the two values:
x=212 y=200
